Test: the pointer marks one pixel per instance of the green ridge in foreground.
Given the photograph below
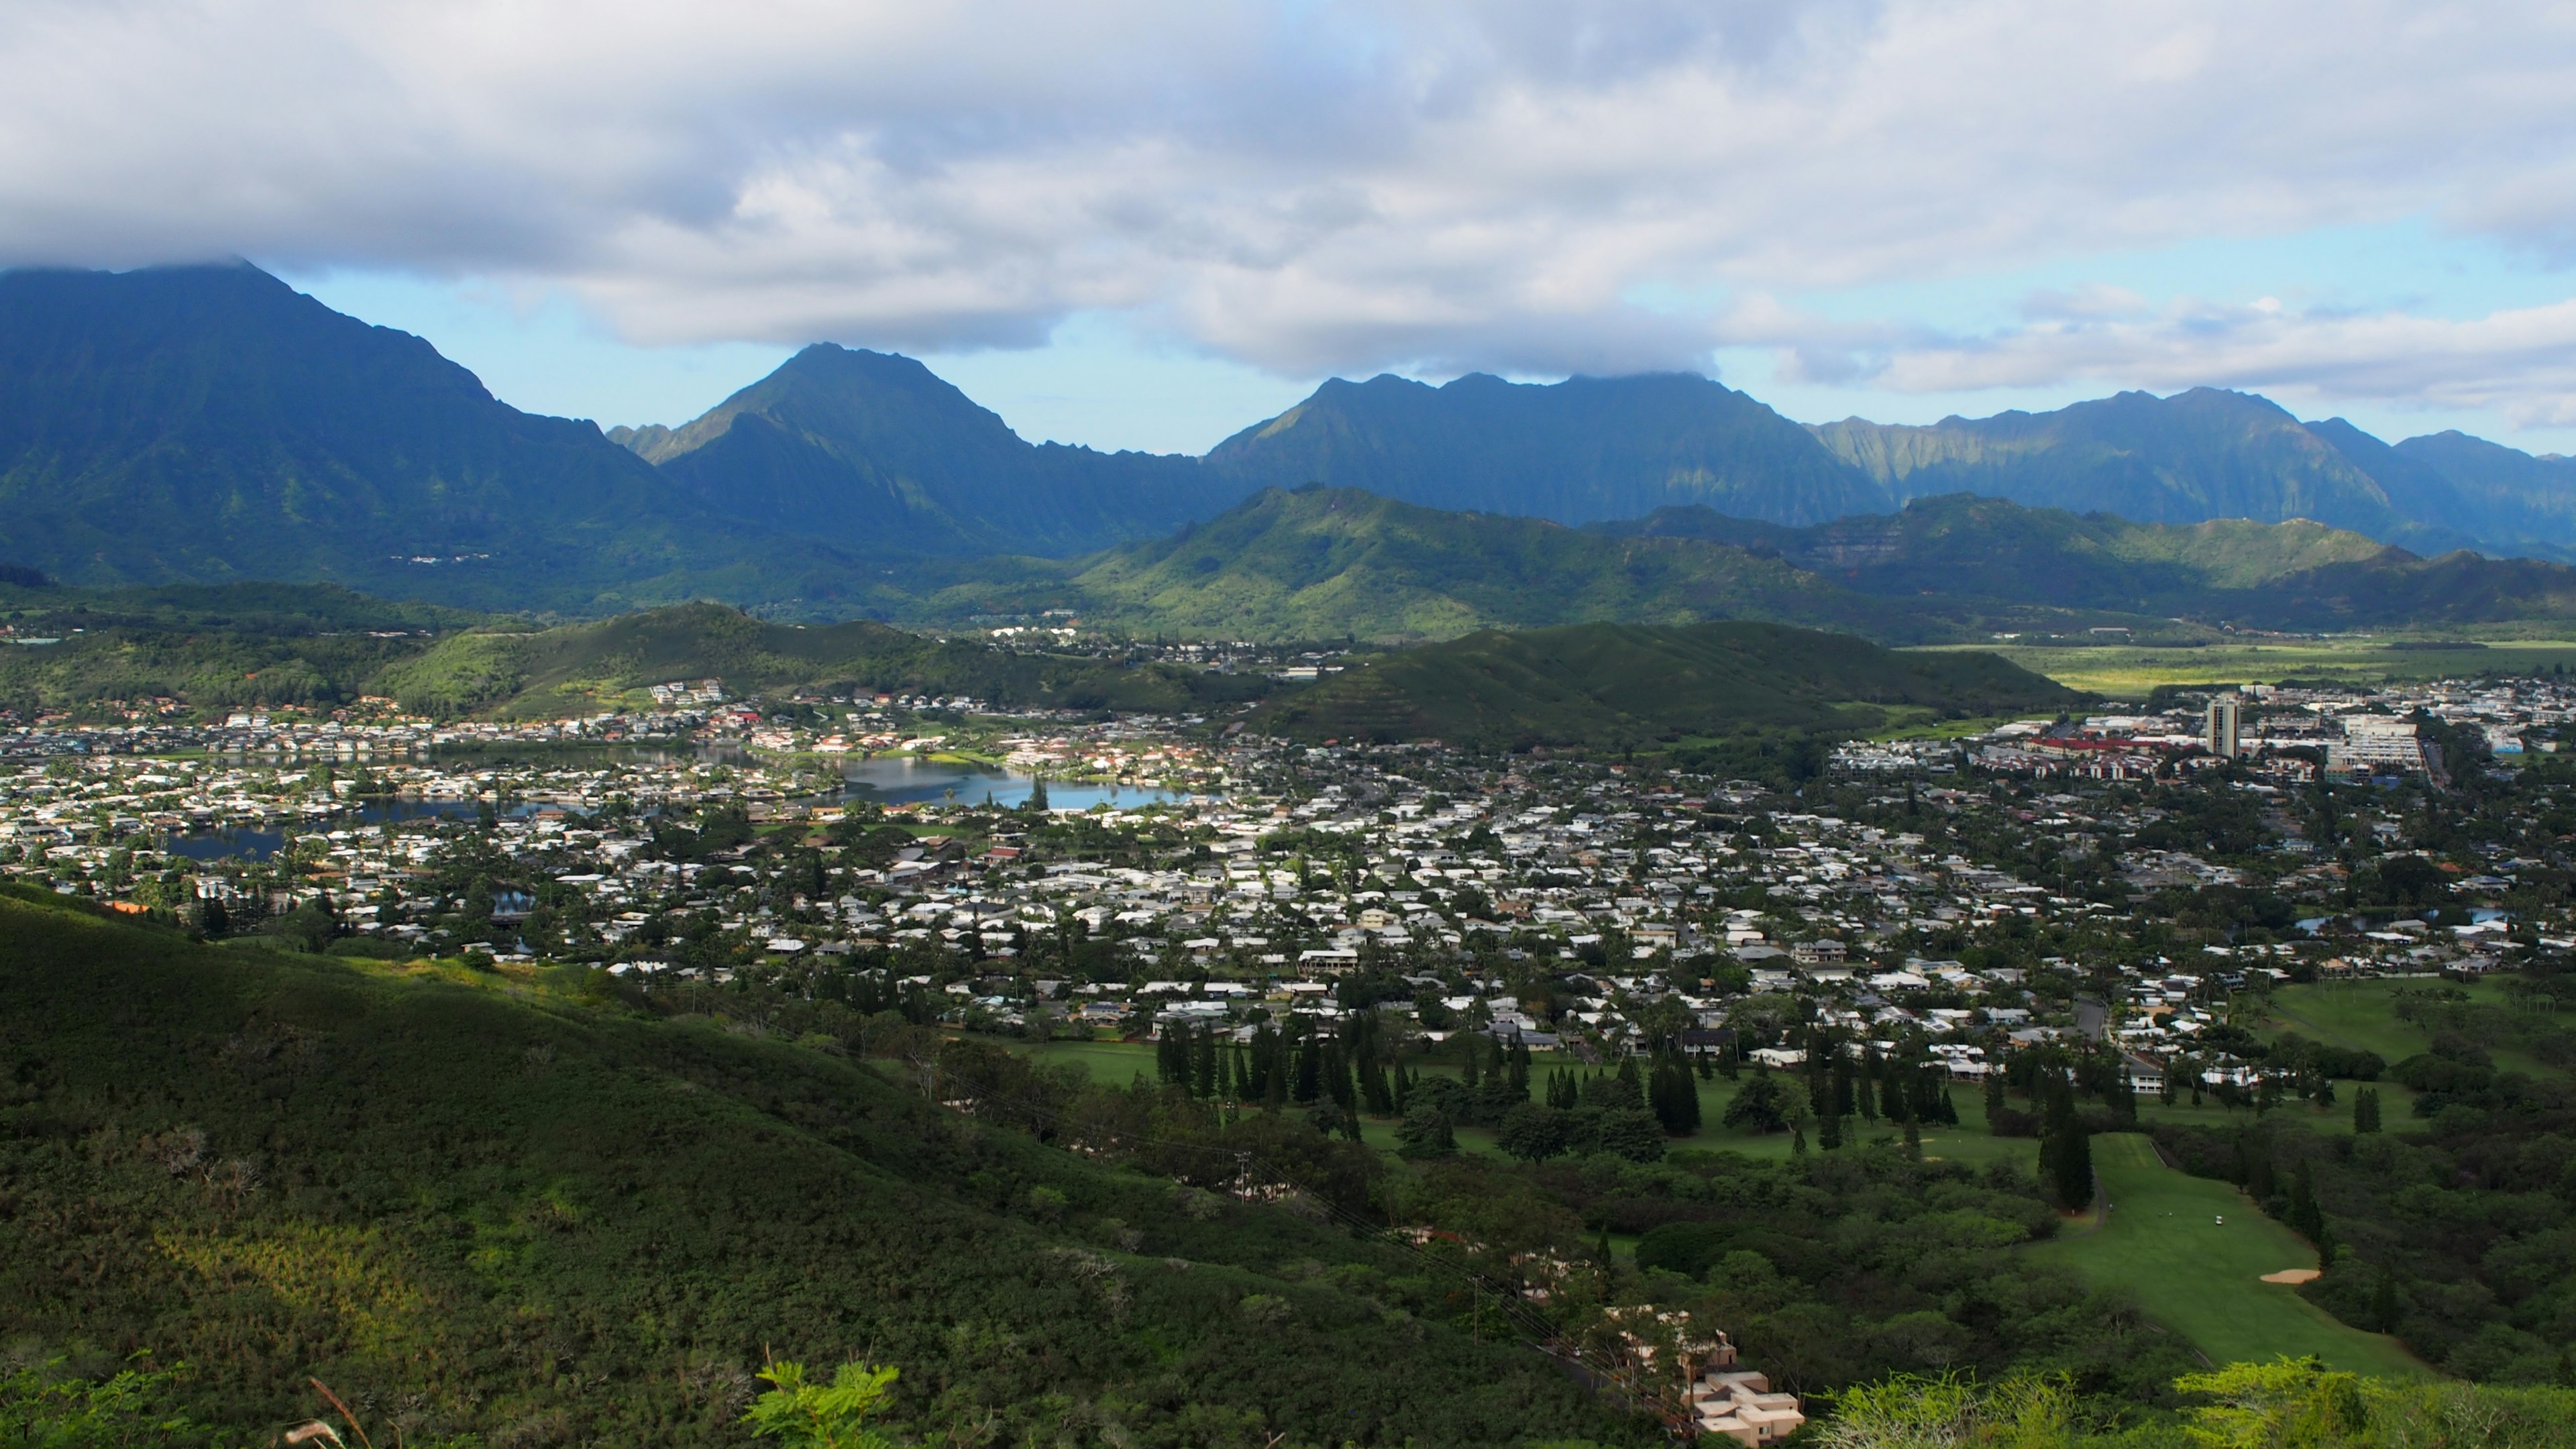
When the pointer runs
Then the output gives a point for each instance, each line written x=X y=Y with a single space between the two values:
x=478 y=1205
x=1625 y=685
x=2163 y=1241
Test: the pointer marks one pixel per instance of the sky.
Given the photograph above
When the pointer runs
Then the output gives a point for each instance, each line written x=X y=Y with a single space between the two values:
x=1146 y=223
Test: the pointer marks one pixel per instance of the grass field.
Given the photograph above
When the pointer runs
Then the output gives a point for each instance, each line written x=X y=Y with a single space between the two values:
x=1119 y=1062
x=2162 y=1240
x=2129 y=671
x=2360 y=1014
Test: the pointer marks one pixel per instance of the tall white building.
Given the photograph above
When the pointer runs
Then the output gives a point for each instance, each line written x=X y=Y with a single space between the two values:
x=2219 y=732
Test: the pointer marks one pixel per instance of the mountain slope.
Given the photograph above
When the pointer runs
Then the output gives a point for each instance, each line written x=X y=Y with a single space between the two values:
x=1574 y=451
x=1625 y=685
x=874 y=453
x=2293 y=575
x=210 y=424
x=1324 y=562
x=2197 y=455
x=516 y=1211
x=1991 y=548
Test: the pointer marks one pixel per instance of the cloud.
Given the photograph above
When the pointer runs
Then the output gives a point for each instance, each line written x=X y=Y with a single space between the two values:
x=2519 y=362
x=1318 y=186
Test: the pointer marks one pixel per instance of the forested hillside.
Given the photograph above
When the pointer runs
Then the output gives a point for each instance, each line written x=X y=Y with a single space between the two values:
x=578 y=667
x=1618 y=686
x=527 y=1212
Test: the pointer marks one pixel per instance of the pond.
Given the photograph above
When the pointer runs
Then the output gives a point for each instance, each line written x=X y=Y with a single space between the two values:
x=911 y=780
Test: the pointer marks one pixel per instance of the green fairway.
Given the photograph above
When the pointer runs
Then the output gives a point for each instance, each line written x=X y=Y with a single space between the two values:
x=2362 y=1014
x=1112 y=1063
x=2164 y=1242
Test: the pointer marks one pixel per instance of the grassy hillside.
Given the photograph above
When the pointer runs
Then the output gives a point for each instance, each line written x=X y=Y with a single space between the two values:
x=210 y=646
x=1622 y=686
x=581 y=667
x=477 y=1205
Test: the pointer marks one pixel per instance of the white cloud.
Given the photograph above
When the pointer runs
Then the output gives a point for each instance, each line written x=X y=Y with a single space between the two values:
x=1326 y=185
x=2520 y=362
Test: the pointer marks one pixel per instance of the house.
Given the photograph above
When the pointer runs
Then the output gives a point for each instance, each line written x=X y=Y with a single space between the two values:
x=1737 y=1402
x=1826 y=952
x=2144 y=1075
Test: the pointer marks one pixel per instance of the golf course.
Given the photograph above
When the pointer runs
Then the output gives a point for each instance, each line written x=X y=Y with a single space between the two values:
x=2194 y=1253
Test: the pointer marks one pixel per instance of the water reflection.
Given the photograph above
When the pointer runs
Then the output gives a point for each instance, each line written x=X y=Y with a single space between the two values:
x=912 y=780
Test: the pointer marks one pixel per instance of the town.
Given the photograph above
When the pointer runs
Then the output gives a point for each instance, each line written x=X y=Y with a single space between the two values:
x=1549 y=900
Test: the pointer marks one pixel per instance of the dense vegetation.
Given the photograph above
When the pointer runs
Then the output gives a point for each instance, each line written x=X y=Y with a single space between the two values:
x=538 y=1215
x=567 y=670
x=218 y=647
x=1321 y=563
x=2291 y=575
x=206 y=646
x=1613 y=686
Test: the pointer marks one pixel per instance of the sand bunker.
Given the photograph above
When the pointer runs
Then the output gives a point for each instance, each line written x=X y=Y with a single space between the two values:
x=2293 y=1275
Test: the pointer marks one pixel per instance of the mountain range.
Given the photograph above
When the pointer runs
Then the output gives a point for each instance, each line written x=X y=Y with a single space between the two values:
x=210 y=424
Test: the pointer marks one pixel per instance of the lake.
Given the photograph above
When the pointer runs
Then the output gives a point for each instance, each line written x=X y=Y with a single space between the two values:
x=911 y=780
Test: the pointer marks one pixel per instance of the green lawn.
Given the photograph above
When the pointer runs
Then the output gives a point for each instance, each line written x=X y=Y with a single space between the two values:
x=2132 y=671
x=2163 y=1241
x=1113 y=1063
x=1119 y=1062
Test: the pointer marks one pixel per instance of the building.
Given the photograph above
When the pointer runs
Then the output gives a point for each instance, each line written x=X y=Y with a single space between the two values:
x=2219 y=732
x=2372 y=741
x=1736 y=1403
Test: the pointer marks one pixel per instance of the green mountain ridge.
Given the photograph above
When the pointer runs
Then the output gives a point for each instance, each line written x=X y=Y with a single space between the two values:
x=1574 y=451
x=1625 y=686
x=2296 y=575
x=1319 y=563
x=874 y=453
x=210 y=425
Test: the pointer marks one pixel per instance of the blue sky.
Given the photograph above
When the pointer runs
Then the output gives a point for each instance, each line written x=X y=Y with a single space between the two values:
x=1148 y=222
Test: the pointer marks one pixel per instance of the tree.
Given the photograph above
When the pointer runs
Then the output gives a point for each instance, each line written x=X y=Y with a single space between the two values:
x=1760 y=1105
x=2067 y=1154
x=1632 y=1133
x=818 y=1416
x=1036 y=804
x=1425 y=1132
x=1994 y=1098
x=1533 y=1133
x=2365 y=1110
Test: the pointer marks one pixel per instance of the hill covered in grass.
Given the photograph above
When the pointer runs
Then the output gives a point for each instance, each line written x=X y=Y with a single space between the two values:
x=207 y=645
x=481 y=1205
x=1624 y=686
x=575 y=668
